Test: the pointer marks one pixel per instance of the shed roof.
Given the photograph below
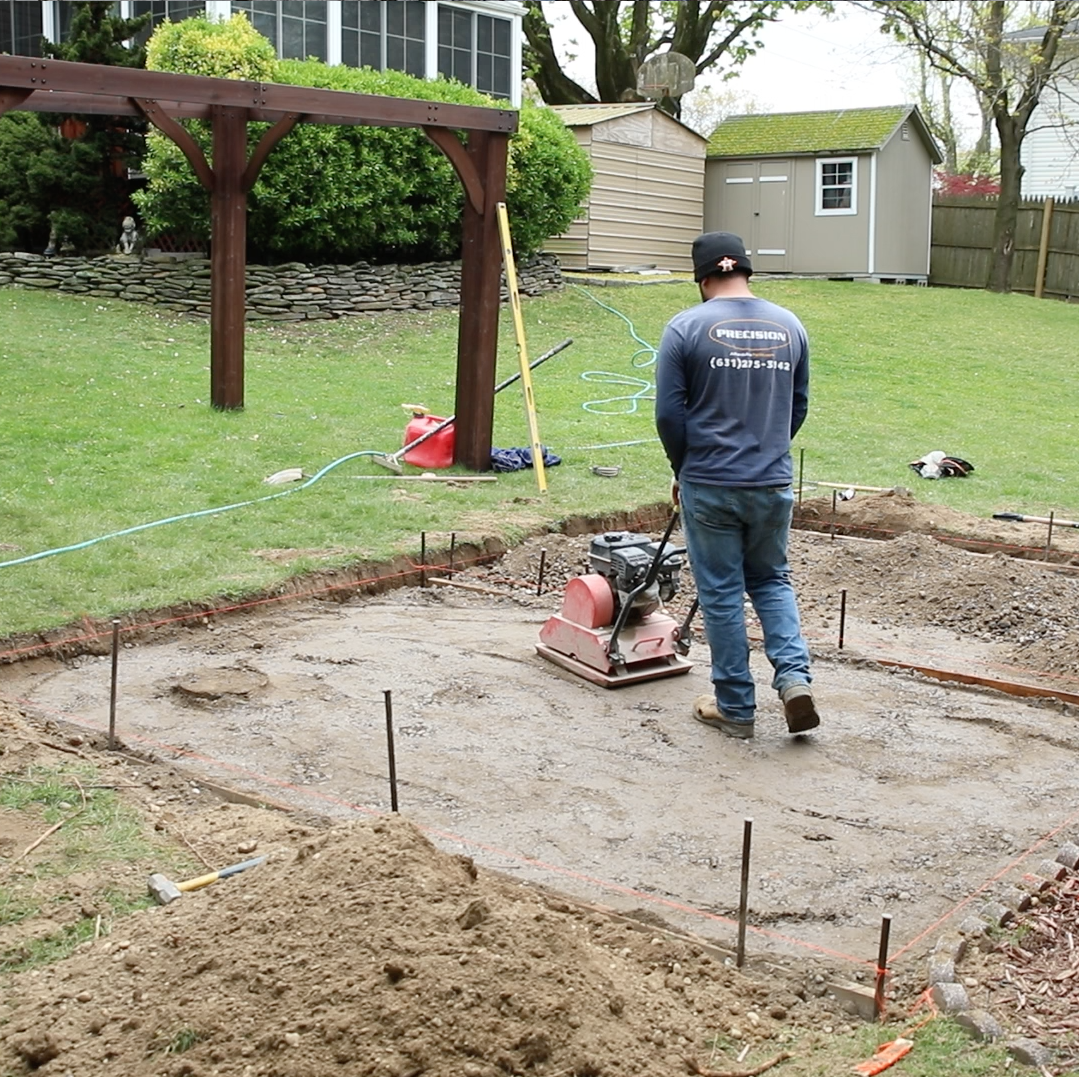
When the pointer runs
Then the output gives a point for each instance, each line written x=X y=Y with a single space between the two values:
x=590 y=115
x=851 y=130
x=1036 y=33
x=586 y=115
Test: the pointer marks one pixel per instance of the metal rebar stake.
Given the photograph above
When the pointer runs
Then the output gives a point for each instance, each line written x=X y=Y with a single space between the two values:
x=743 y=899
x=389 y=749
x=423 y=558
x=882 y=965
x=112 y=685
x=1049 y=538
x=842 y=616
x=453 y=544
x=542 y=569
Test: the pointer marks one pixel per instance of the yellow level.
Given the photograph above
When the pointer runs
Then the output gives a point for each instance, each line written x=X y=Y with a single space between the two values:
x=522 y=347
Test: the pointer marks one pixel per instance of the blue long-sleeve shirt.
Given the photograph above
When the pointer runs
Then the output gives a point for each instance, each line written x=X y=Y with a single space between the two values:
x=732 y=389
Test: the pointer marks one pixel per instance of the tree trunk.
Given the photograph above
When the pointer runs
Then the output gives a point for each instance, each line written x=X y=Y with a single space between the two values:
x=1007 y=215
x=541 y=63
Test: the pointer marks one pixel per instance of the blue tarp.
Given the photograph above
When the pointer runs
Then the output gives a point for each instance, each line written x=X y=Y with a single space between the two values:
x=519 y=459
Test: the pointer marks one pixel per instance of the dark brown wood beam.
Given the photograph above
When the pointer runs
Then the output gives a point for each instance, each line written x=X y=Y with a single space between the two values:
x=171 y=129
x=463 y=165
x=60 y=76
x=265 y=147
x=12 y=99
x=477 y=334
x=228 y=258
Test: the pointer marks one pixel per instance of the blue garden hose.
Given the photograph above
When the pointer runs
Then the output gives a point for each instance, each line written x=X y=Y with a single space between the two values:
x=187 y=515
x=644 y=356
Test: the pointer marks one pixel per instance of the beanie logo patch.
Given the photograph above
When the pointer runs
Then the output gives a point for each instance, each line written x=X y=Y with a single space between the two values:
x=726 y=264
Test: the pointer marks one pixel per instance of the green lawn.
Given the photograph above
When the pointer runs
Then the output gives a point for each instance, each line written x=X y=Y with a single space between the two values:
x=104 y=425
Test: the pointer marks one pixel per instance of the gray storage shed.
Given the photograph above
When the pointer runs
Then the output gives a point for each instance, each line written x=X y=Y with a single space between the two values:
x=647 y=199
x=840 y=194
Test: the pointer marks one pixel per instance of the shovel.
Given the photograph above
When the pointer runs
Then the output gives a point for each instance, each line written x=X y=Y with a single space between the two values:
x=1034 y=519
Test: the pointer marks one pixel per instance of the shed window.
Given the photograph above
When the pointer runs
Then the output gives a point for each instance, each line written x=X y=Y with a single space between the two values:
x=837 y=186
x=297 y=28
x=386 y=36
x=20 y=28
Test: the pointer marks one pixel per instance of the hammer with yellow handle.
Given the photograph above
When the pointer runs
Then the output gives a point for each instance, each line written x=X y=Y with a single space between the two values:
x=163 y=890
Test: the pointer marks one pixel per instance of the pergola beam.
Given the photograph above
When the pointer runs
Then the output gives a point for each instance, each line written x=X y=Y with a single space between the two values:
x=164 y=98
x=45 y=78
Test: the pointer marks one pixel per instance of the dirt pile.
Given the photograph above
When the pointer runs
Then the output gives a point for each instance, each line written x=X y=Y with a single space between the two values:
x=885 y=515
x=364 y=947
x=1027 y=607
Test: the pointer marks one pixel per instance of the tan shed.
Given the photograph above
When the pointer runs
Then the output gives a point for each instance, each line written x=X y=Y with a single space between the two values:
x=841 y=194
x=647 y=199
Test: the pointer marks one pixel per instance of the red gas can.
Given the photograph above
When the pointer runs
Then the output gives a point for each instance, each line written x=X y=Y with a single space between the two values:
x=437 y=450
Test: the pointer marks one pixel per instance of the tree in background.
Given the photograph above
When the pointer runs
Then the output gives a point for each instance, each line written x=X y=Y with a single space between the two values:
x=625 y=34
x=339 y=192
x=72 y=184
x=704 y=108
x=971 y=40
x=934 y=92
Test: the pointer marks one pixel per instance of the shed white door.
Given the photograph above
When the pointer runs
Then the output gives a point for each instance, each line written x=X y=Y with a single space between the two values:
x=755 y=203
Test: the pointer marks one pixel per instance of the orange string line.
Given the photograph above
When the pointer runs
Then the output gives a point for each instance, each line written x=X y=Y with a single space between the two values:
x=554 y=869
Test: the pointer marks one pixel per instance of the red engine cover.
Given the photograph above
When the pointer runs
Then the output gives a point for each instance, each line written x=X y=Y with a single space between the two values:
x=589 y=601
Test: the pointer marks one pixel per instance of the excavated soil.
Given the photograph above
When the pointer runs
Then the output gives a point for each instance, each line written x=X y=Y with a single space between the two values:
x=559 y=895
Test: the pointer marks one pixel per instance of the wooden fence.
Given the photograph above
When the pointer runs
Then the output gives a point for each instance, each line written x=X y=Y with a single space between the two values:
x=963 y=242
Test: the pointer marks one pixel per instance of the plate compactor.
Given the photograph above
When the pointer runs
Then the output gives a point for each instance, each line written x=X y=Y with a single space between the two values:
x=612 y=629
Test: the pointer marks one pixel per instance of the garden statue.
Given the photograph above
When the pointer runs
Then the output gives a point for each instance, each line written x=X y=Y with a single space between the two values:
x=129 y=238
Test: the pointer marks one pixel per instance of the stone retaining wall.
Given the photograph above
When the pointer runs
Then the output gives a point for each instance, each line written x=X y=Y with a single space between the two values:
x=289 y=292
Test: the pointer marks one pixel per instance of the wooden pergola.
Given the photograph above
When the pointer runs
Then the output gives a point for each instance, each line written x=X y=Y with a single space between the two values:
x=163 y=98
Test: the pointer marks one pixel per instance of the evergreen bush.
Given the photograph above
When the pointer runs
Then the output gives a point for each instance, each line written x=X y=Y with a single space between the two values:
x=74 y=186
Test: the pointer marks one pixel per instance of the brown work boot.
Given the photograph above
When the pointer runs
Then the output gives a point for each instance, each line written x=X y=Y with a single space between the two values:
x=799 y=708
x=706 y=711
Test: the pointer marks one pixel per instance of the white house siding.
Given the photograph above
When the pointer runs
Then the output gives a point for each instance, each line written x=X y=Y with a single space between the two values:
x=1050 y=153
x=317 y=30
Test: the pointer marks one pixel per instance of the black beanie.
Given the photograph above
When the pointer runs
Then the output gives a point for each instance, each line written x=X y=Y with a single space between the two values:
x=719 y=253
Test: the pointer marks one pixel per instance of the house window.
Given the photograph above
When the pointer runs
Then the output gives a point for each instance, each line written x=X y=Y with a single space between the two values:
x=386 y=36
x=162 y=10
x=297 y=28
x=20 y=28
x=837 y=186
x=493 y=56
x=475 y=49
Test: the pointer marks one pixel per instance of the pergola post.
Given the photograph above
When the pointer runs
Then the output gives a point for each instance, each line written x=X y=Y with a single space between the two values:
x=481 y=275
x=228 y=257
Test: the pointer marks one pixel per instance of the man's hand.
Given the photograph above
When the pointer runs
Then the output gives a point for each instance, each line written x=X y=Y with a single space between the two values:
x=674 y=492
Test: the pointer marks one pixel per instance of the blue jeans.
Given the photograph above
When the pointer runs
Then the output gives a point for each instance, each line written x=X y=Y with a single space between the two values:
x=737 y=541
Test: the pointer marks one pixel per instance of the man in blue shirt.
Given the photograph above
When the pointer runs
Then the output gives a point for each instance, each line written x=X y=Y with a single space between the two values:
x=732 y=389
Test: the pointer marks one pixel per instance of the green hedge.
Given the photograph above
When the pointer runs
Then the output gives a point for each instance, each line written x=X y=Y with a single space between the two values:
x=344 y=193
x=24 y=218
